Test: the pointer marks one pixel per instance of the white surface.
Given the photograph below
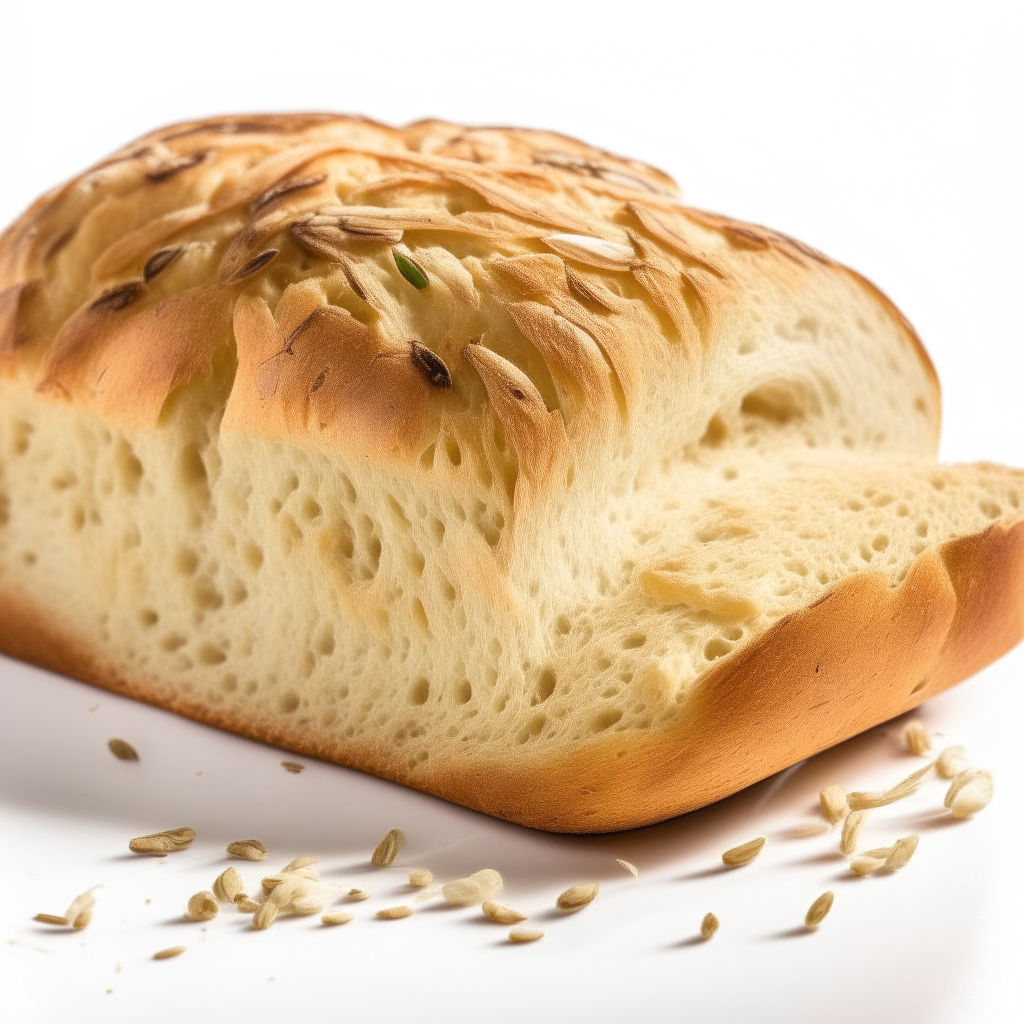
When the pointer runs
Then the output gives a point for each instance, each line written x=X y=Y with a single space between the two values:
x=889 y=136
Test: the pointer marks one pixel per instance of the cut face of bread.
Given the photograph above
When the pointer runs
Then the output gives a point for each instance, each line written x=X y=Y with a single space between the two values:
x=474 y=459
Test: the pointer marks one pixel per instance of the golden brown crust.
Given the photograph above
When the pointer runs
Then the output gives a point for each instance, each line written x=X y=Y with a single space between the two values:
x=863 y=654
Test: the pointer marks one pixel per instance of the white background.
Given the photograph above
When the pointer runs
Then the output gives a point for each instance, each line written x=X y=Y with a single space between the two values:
x=890 y=136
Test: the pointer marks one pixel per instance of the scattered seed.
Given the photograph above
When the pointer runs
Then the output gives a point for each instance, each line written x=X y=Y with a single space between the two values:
x=578 y=896
x=203 y=906
x=388 y=849
x=257 y=263
x=833 y=804
x=865 y=801
x=970 y=791
x=502 y=913
x=248 y=849
x=51 y=919
x=474 y=888
x=708 y=926
x=160 y=261
x=819 y=909
x=851 y=832
x=171 y=841
x=432 y=366
x=871 y=861
x=246 y=904
x=304 y=906
x=525 y=935
x=421 y=877
x=952 y=761
x=918 y=739
x=745 y=853
x=394 y=913
x=427 y=894
x=228 y=885
x=292 y=766
x=79 y=912
x=337 y=917
x=166 y=954
x=122 y=751
x=630 y=867
x=265 y=915
x=304 y=861
x=412 y=273
x=118 y=298
x=358 y=895
x=902 y=850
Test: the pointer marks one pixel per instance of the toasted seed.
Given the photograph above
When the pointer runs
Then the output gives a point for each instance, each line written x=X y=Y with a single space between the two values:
x=594 y=252
x=306 y=860
x=971 y=791
x=51 y=919
x=166 y=954
x=865 y=865
x=708 y=926
x=160 y=261
x=79 y=912
x=502 y=913
x=819 y=909
x=410 y=271
x=265 y=915
x=121 y=750
x=292 y=766
x=474 y=888
x=918 y=739
x=578 y=896
x=337 y=917
x=630 y=867
x=744 y=853
x=525 y=935
x=421 y=877
x=257 y=263
x=171 y=841
x=833 y=804
x=203 y=906
x=358 y=895
x=952 y=761
x=388 y=849
x=865 y=801
x=851 y=831
x=248 y=849
x=118 y=298
x=432 y=366
x=393 y=913
x=228 y=885
x=275 y=192
x=246 y=904
x=175 y=166
x=902 y=850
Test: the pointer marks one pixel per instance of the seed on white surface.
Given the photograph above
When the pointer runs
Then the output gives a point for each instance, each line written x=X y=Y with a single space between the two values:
x=248 y=849
x=525 y=935
x=869 y=862
x=121 y=750
x=902 y=850
x=502 y=913
x=265 y=915
x=971 y=791
x=337 y=917
x=474 y=888
x=394 y=913
x=421 y=877
x=388 y=849
x=246 y=904
x=918 y=739
x=305 y=861
x=171 y=841
x=577 y=897
x=818 y=909
x=166 y=954
x=203 y=906
x=708 y=926
x=744 y=853
x=357 y=895
x=427 y=894
x=865 y=801
x=79 y=912
x=51 y=919
x=630 y=867
x=228 y=885
x=833 y=804
x=851 y=831
x=952 y=761
x=292 y=766
x=306 y=905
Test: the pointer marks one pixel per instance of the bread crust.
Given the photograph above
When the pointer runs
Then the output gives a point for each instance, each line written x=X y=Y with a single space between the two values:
x=861 y=655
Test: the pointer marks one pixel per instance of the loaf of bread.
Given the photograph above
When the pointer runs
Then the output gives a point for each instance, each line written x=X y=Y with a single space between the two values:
x=474 y=459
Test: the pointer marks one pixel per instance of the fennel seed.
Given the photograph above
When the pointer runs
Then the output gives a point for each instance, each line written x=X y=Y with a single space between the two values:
x=744 y=853
x=502 y=913
x=121 y=750
x=902 y=850
x=578 y=896
x=228 y=885
x=337 y=917
x=851 y=831
x=410 y=271
x=388 y=849
x=971 y=791
x=394 y=913
x=819 y=909
x=203 y=906
x=525 y=935
x=171 y=951
x=421 y=877
x=172 y=841
x=708 y=926
x=833 y=804
x=918 y=739
x=51 y=919
x=248 y=849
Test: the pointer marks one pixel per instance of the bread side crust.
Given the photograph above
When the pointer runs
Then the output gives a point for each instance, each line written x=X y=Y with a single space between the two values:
x=859 y=656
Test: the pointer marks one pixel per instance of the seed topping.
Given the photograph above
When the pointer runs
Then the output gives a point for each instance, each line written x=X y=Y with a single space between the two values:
x=410 y=271
x=432 y=366
x=388 y=849
x=160 y=261
x=122 y=751
x=819 y=909
x=708 y=926
x=171 y=841
x=744 y=853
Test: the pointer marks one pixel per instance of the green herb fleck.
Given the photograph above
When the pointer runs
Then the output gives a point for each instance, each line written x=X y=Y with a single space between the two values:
x=410 y=271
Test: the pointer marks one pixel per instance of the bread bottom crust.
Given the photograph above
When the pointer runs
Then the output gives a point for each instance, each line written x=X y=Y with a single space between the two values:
x=859 y=656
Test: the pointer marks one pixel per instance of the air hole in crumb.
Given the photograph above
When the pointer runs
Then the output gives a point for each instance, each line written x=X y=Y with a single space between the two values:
x=545 y=686
x=311 y=509
x=990 y=509
x=186 y=561
x=427 y=458
x=452 y=450
x=210 y=654
x=716 y=648
x=632 y=642
x=148 y=617
x=921 y=529
x=605 y=719
x=289 y=702
x=881 y=542
x=464 y=692
x=419 y=692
